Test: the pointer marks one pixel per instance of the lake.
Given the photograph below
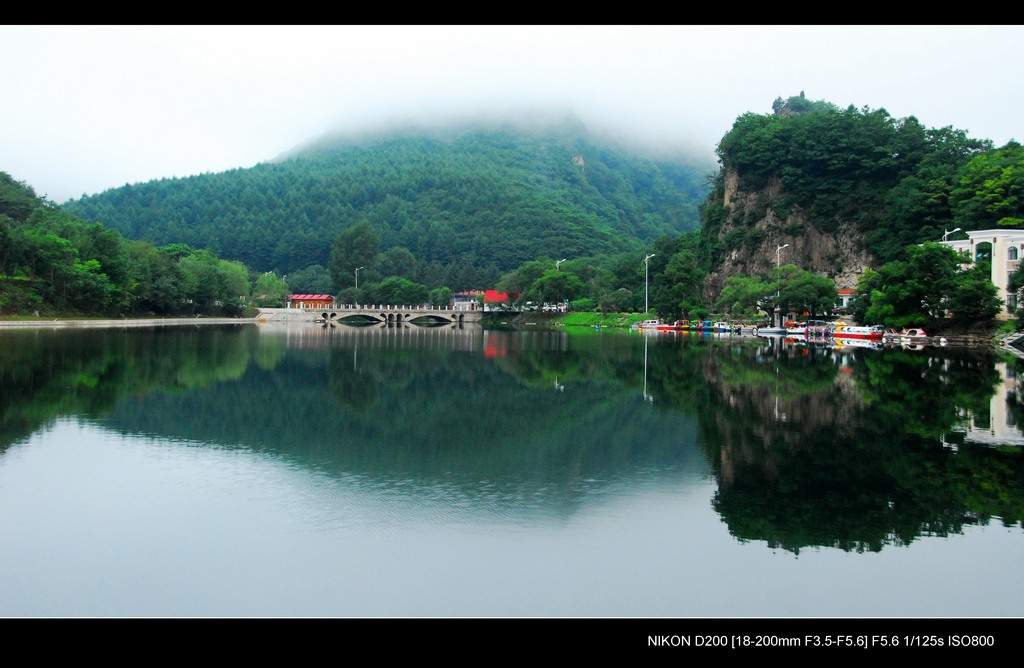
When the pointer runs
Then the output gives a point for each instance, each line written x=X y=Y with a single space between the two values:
x=307 y=471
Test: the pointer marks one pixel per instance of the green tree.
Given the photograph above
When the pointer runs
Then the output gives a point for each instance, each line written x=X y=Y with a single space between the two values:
x=991 y=190
x=745 y=296
x=555 y=286
x=975 y=299
x=314 y=279
x=440 y=296
x=353 y=248
x=678 y=284
x=395 y=290
x=923 y=288
x=803 y=291
x=270 y=290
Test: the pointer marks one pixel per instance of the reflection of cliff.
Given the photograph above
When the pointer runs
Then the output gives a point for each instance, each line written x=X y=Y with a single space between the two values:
x=838 y=465
x=811 y=448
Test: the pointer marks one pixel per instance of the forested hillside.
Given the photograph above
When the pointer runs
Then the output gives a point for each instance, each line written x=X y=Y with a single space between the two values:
x=491 y=197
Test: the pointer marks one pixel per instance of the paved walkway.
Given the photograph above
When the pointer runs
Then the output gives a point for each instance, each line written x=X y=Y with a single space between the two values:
x=44 y=323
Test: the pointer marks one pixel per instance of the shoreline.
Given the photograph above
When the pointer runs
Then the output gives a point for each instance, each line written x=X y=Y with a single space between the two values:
x=552 y=322
x=60 y=323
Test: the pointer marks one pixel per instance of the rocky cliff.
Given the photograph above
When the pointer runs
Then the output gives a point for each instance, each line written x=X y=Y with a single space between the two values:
x=758 y=222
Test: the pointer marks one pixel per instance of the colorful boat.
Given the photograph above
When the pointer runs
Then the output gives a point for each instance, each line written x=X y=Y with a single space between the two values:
x=862 y=333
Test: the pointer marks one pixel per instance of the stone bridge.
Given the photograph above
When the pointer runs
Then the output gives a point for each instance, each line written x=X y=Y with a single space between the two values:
x=377 y=313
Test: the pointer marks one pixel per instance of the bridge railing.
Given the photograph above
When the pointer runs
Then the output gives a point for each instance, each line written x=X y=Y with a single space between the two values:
x=396 y=307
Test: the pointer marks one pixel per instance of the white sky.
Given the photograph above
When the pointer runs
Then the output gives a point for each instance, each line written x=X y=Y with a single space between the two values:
x=87 y=108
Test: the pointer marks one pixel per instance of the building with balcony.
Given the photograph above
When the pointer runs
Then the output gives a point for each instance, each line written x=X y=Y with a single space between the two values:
x=1004 y=248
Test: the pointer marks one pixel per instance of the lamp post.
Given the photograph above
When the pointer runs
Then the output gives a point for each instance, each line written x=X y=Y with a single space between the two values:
x=778 y=263
x=357 y=277
x=946 y=234
x=647 y=279
x=778 y=251
x=558 y=263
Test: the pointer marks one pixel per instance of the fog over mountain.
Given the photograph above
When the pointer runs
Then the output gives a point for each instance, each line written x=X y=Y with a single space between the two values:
x=88 y=108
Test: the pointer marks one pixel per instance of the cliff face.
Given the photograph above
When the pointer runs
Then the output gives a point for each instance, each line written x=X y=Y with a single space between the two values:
x=758 y=222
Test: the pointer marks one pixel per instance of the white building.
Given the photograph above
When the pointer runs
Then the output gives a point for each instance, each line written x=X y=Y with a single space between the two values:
x=1005 y=247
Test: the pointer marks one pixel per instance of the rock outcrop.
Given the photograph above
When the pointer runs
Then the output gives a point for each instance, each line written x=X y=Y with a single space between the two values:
x=759 y=222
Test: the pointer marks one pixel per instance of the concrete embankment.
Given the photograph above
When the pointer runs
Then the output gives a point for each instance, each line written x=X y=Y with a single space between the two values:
x=55 y=323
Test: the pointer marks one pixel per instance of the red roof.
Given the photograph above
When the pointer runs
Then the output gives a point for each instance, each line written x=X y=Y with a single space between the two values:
x=311 y=297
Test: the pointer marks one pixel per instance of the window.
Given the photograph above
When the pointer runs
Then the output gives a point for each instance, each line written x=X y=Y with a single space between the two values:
x=1011 y=253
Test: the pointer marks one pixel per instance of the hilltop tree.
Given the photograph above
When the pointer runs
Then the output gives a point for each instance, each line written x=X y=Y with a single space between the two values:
x=991 y=191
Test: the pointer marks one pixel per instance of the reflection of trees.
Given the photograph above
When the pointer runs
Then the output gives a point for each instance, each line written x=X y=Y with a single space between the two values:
x=442 y=416
x=351 y=386
x=924 y=393
x=49 y=373
x=810 y=448
x=859 y=464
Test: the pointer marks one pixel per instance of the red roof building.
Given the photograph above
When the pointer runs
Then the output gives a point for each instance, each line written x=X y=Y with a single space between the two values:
x=310 y=301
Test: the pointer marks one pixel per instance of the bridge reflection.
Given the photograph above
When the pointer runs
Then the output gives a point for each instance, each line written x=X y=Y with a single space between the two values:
x=310 y=335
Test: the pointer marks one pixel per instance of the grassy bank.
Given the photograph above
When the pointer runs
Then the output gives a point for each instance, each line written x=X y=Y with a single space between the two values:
x=623 y=320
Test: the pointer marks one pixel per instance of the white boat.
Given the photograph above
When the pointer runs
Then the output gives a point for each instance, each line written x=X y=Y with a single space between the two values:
x=652 y=323
x=914 y=335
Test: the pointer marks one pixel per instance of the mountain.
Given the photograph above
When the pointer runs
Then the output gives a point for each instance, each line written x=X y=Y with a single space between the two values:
x=490 y=195
x=837 y=191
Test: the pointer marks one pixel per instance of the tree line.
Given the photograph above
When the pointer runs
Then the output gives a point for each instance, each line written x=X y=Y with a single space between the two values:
x=52 y=263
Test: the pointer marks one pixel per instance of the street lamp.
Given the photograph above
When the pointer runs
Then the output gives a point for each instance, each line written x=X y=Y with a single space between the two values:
x=647 y=279
x=949 y=232
x=357 y=277
x=557 y=263
x=778 y=261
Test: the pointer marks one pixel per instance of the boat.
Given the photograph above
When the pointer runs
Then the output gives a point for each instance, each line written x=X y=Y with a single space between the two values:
x=651 y=323
x=797 y=329
x=861 y=333
x=676 y=326
x=840 y=344
x=912 y=335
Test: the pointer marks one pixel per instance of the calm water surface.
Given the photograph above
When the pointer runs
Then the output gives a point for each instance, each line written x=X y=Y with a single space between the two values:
x=302 y=471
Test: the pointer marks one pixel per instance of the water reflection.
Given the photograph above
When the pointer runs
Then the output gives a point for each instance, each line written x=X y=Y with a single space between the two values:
x=851 y=448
